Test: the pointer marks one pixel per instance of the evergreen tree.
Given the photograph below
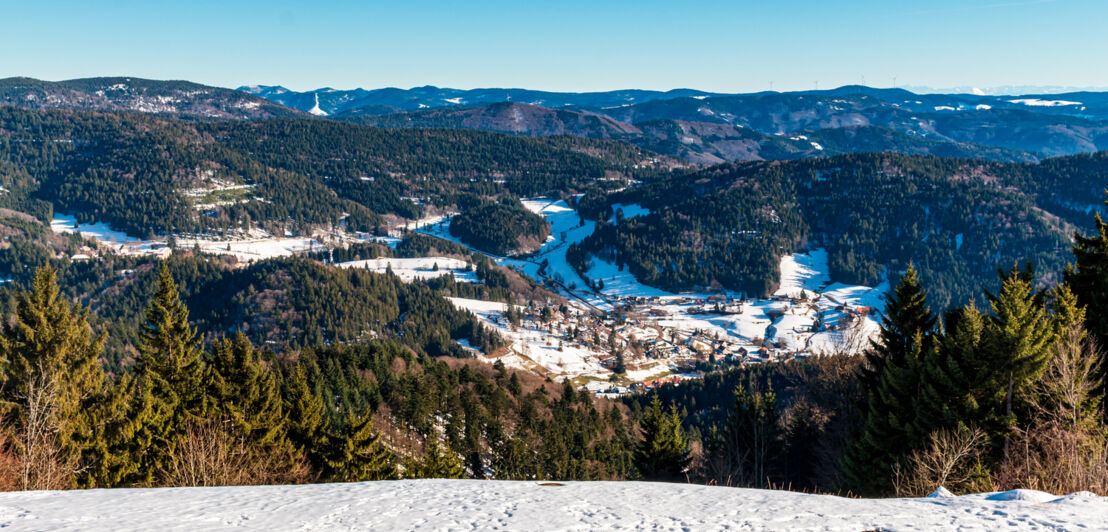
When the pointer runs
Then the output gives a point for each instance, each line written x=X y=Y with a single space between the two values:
x=514 y=459
x=891 y=381
x=171 y=369
x=1019 y=338
x=662 y=453
x=48 y=348
x=305 y=424
x=245 y=391
x=1067 y=312
x=958 y=385
x=439 y=461
x=356 y=454
x=747 y=450
x=247 y=394
x=1088 y=278
x=118 y=419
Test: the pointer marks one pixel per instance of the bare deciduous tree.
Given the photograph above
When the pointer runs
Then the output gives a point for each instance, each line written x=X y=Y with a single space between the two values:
x=211 y=455
x=949 y=460
x=42 y=463
x=1063 y=449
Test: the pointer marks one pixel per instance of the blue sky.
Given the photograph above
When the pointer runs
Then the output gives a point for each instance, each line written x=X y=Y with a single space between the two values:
x=729 y=46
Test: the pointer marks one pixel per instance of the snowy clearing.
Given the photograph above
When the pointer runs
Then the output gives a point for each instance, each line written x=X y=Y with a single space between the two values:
x=501 y=505
x=629 y=210
x=98 y=231
x=245 y=246
x=409 y=270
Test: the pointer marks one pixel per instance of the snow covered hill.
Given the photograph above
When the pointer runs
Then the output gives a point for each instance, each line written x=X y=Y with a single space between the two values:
x=494 y=505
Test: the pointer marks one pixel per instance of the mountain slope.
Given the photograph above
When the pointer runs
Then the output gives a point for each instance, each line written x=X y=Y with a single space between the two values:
x=695 y=141
x=713 y=143
x=956 y=219
x=507 y=117
x=148 y=174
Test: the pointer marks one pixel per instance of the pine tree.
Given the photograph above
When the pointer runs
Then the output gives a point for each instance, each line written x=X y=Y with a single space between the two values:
x=1067 y=312
x=171 y=369
x=48 y=345
x=746 y=451
x=356 y=454
x=245 y=391
x=958 y=387
x=117 y=420
x=890 y=381
x=1019 y=338
x=247 y=394
x=1088 y=278
x=306 y=422
x=514 y=459
x=662 y=453
x=439 y=461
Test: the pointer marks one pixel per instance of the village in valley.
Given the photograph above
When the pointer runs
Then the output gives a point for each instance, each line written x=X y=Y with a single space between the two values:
x=610 y=333
x=614 y=335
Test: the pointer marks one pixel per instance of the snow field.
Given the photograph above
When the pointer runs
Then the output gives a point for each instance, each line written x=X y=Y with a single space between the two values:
x=503 y=505
x=409 y=270
x=255 y=245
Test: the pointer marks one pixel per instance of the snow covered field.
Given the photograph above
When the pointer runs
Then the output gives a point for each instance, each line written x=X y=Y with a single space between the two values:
x=409 y=270
x=499 y=505
x=99 y=231
x=255 y=245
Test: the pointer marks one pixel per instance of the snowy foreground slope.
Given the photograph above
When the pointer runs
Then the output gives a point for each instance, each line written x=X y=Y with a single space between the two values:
x=492 y=505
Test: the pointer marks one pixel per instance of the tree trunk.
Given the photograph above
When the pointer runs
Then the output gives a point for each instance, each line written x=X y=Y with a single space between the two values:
x=1008 y=412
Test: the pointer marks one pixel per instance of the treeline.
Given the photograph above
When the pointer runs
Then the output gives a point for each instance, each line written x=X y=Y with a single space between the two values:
x=233 y=414
x=501 y=227
x=980 y=398
x=873 y=213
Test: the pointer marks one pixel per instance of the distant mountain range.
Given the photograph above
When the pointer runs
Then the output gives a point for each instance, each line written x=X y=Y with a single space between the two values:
x=140 y=95
x=392 y=100
x=701 y=127
x=709 y=127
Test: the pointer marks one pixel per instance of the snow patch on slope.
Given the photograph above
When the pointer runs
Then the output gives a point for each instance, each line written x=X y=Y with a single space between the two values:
x=1035 y=102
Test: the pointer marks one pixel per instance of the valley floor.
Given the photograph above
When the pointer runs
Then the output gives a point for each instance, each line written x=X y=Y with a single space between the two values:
x=497 y=505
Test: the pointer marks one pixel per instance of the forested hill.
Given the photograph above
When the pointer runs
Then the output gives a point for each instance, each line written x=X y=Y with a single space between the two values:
x=150 y=174
x=700 y=142
x=956 y=219
x=503 y=227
